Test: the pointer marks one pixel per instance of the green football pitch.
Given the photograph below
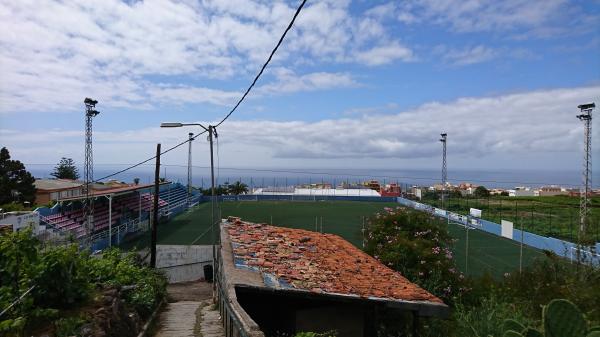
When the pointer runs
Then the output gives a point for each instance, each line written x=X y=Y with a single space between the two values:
x=486 y=252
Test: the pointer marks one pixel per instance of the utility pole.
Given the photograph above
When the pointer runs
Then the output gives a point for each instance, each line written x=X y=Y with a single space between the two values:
x=211 y=130
x=586 y=118
x=155 y=209
x=189 y=173
x=212 y=133
x=88 y=208
x=444 y=168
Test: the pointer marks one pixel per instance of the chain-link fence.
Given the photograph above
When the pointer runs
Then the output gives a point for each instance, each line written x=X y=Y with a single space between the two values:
x=558 y=218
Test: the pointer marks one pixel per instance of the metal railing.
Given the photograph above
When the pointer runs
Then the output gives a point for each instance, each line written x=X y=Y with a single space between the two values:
x=15 y=302
x=231 y=322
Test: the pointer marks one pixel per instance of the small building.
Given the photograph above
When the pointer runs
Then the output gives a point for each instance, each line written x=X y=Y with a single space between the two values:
x=17 y=221
x=521 y=192
x=274 y=281
x=390 y=190
x=551 y=190
x=54 y=189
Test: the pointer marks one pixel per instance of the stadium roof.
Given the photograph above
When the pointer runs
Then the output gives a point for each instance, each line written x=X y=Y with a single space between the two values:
x=320 y=264
x=115 y=191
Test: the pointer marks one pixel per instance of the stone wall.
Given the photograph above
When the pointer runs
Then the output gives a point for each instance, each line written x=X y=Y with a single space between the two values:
x=183 y=263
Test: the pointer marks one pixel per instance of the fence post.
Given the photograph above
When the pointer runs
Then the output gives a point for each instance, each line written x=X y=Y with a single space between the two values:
x=531 y=229
x=500 y=208
x=550 y=233
x=571 y=224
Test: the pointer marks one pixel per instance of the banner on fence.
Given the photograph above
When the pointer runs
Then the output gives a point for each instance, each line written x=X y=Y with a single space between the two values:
x=440 y=212
x=507 y=229
x=475 y=212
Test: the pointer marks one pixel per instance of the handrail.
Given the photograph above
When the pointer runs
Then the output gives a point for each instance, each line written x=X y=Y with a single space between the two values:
x=227 y=311
x=17 y=300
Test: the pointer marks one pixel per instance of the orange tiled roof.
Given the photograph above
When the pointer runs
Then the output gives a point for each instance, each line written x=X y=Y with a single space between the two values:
x=319 y=262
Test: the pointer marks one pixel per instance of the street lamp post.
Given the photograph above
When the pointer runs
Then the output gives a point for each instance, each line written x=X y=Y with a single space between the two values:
x=211 y=131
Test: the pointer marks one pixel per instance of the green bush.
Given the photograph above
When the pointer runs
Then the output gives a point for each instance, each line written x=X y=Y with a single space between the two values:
x=116 y=269
x=419 y=247
x=488 y=317
x=62 y=278
x=70 y=326
x=65 y=277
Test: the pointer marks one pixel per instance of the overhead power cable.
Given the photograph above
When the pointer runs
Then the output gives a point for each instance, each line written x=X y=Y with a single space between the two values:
x=149 y=159
x=262 y=69
x=264 y=65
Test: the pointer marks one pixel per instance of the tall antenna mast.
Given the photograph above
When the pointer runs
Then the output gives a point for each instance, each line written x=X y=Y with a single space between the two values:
x=586 y=118
x=88 y=208
x=189 y=177
x=444 y=168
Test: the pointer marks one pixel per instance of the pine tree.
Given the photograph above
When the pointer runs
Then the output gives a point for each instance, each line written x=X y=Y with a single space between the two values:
x=16 y=184
x=65 y=169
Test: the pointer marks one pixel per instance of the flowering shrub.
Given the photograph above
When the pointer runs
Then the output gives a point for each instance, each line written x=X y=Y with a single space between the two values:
x=419 y=247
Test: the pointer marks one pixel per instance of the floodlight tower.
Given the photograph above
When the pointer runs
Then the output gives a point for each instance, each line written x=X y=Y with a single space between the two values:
x=88 y=209
x=586 y=118
x=444 y=168
x=189 y=177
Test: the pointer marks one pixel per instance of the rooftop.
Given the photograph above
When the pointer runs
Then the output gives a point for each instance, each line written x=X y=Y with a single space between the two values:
x=56 y=184
x=318 y=263
x=122 y=189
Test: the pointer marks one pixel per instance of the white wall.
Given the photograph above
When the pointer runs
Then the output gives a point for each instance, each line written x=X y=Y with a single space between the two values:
x=183 y=263
x=20 y=220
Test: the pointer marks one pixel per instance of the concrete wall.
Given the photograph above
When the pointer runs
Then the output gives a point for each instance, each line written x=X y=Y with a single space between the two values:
x=183 y=263
x=22 y=220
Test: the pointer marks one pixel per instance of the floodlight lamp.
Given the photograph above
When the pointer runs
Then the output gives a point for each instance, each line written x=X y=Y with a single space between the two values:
x=443 y=134
x=584 y=117
x=171 y=125
x=93 y=113
x=587 y=106
x=89 y=101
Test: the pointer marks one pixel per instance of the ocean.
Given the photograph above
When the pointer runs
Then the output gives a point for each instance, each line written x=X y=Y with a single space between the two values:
x=283 y=176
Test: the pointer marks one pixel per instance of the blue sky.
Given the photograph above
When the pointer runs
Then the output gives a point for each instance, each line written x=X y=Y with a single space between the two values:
x=355 y=84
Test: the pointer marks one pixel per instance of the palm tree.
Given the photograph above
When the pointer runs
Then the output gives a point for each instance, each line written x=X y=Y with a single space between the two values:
x=238 y=188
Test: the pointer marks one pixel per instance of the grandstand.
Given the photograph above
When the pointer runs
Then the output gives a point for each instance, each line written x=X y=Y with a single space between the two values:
x=113 y=207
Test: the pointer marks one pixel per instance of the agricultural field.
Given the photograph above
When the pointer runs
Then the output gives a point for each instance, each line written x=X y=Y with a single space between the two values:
x=486 y=253
x=556 y=216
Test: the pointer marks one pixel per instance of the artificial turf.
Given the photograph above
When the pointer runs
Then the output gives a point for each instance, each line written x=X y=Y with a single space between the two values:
x=487 y=252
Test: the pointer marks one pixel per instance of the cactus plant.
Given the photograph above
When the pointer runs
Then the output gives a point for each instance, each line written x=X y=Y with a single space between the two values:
x=531 y=332
x=562 y=318
x=511 y=324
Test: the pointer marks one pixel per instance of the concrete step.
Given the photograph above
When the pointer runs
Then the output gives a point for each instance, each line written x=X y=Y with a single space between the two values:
x=210 y=321
x=179 y=319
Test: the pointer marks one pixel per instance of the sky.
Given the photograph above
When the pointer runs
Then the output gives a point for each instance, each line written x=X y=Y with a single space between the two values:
x=355 y=84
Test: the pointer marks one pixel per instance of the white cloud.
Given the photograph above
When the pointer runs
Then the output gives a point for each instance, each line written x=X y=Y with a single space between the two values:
x=187 y=94
x=54 y=53
x=512 y=126
x=522 y=18
x=468 y=55
x=385 y=54
x=288 y=82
